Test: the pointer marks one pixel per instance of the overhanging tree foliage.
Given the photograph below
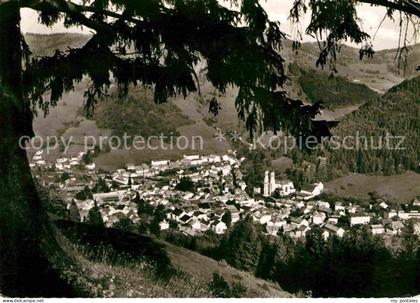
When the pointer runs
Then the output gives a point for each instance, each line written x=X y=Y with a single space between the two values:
x=157 y=43
x=335 y=21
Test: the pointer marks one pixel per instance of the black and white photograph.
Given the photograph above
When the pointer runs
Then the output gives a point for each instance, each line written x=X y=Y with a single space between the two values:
x=163 y=149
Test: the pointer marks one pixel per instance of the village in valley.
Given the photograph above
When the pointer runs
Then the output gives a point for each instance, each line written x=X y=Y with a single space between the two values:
x=200 y=193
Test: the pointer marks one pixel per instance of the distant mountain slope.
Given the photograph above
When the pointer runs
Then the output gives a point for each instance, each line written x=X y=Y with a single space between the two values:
x=333 y=92
x=379 y=73
x=138 y=115
x=46 y=45
x=348 y=56
x=354 y=75
x=397 y=114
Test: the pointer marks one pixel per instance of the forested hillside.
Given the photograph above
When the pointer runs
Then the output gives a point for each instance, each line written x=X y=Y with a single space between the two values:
x=397 y=114
x=332 y=92
x=394 y=115
x=138 y=115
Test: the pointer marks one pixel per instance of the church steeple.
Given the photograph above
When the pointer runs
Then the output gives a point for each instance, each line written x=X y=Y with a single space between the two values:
x=272 y=182
x=266 y=189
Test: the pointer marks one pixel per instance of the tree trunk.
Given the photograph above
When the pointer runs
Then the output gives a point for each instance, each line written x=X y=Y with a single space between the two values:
x=24 y=228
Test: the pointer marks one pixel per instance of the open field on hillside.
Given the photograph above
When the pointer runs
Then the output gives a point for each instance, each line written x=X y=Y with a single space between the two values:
x=336 y=114
x=379 y=73
x=402 y=188
x=281 y=164
x=203 y=268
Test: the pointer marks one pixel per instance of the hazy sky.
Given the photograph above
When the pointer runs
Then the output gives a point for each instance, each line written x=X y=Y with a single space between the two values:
x=387 y=36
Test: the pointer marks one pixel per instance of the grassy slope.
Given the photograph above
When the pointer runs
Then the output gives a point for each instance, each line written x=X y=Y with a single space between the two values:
x=137 y=278
x=403 y=187
x=203 y=268
x=103 y=273
x=112 y=263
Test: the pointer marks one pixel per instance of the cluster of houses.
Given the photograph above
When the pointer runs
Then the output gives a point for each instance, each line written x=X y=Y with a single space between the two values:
x=61 y=164
x=218 y=199
x=296 y=212
x=296 y=217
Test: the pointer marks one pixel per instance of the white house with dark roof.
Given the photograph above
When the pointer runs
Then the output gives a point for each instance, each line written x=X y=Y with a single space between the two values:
x=394 y=228
x=161 y=164
x=131 y=166
x=176 y=214
x=311 y=191
x=325 y=210
x=318 y=218
x=339 y=206
x=330 y=229
x=414 y=214
x=164 y=225
x=194 y=224
x=113 y=196
x=377 y=229
x=205 y=224
x=299 y=221
x=333 y=219
x=191 y=157
x=356 y=219
x=185 y=218
x=219 y=227
x=384 y=205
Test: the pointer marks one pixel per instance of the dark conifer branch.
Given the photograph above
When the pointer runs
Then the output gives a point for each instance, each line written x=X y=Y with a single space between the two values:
x=164 y=47
x=410 y=7
x=159 y=42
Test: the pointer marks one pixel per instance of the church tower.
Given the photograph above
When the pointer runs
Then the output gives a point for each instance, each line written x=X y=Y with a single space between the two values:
x=266 y=189
x=272 y=183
